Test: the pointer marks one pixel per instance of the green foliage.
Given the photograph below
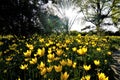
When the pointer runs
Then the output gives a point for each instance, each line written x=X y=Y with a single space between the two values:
x=93 y=11
x=18 y=16
x=116 y=12
x=51 y=23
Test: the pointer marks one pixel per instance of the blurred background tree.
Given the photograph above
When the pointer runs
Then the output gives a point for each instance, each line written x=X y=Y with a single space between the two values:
x=116 y=14
x=25 y=17
x=18 y=16
x=96 y=11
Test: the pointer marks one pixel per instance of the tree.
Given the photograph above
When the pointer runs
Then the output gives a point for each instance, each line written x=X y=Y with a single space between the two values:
x=50 y=23
x=96 y=11
x=18 y=16
x=116 y=12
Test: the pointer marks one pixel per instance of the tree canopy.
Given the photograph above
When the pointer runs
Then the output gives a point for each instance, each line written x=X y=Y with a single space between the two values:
x=18 y=16
x=116 y=12
x=96 y=11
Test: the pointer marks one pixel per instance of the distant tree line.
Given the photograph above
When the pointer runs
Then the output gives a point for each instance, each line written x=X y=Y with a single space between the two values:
x=25 y=17
x=19 y=17
x=97 y=11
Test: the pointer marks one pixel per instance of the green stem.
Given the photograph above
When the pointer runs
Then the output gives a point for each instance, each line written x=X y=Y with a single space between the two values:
x=24 y=75
x=32 y=74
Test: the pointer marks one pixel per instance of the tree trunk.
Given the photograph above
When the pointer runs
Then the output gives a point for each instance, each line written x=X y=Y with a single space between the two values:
x=98 y=30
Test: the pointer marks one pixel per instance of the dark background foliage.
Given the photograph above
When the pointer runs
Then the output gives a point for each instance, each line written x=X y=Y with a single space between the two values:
x=24 y=17
x=18 y=16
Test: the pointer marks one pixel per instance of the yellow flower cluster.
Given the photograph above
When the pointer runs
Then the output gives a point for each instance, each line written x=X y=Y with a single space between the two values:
x=64 y=76
x=82 y=51
x=87 y=77
x=42 y=68
x=27 y=54
x=24 y=66
x=68 y=62
x=40 y=52
x=30 y=46
x=87 y=67
x=33 y=61
x=58 y=68
x=97 y=62
x=56 y=58
x=102 y=76
x=66 y=56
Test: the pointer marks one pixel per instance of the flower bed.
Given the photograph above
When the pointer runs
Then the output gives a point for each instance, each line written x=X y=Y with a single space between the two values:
x=56 y=57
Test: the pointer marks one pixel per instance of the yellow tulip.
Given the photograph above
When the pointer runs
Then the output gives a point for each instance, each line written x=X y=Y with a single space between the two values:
x=58 y=44
x=64 y=45
x=74 y=65
x=98 y=49
x=30 y=46
x=47 y=44
x=105 y=61
x=51 y=56
x=65 y=55
x=102 y=76
x=109 y=53
x=87 y=67
x=74 y=49
x=23 y=67
x=67 y=48
x=79 y=41
x=49 y=61
x=43 y=71
x=64 y=76
x=35 y=55
x=79 y=35
x=58 y=68
x=53 y=47
x=63 y=62
x=69 y=62
x=27 y=59
x=41 y=40
x=82 y=51
x=59 y=52
x=41 y=52
x=83 y=78
x=49 y=69
x=56 y=58
x=27 y=54
x=67 y=41
x=49 y=51
x=87 y=77
x=18 y=78
x=33 y=61
x=50 y=42
x=41 y=66
x=96 y=62
x=9 y=58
